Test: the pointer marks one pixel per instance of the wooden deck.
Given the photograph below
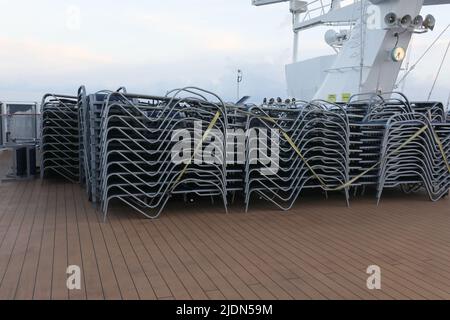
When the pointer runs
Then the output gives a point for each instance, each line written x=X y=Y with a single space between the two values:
x=320 y=250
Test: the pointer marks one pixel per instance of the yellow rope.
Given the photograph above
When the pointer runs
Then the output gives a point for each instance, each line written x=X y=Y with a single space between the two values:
x=352 y=181
x=441 y=148
x=197 y=148
x=302 y=157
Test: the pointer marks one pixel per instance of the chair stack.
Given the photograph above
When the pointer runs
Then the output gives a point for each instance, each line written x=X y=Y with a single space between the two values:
x=421 y=163
x=435 y=111
x=60 y=137
x=368 y=115
x=236 y=144
x=138 y=135
x=320 y=132
x=90 y=113
x=145 y=150
x=82 y=134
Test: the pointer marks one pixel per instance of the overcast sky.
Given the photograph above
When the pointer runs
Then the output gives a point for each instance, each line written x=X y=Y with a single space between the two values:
x=151 y=46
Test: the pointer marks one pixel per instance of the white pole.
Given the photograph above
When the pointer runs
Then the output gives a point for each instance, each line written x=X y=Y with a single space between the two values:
x=295 y=53
x=361 y=63
x=296 y=36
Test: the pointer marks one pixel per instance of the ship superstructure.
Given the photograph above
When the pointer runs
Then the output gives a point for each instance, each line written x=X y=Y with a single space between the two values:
x=370 y=38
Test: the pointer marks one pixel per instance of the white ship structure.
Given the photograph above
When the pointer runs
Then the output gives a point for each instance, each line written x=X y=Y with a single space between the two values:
x=370 y=45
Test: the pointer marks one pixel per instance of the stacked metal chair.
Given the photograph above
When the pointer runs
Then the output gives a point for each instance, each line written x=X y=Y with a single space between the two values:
x=389 y=123
x=90 y=112
x=60 y=137
x=83 y=133
x=122 y=147
x=137 y=137
x=313 y=151
x=435 y=111
x=236 y=144
x=368 y=114
x=422 y=162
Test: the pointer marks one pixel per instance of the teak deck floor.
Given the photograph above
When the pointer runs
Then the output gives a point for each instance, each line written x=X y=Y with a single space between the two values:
x=319 y=250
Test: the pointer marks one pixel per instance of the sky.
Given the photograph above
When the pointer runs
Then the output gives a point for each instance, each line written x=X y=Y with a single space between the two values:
x=152 y=46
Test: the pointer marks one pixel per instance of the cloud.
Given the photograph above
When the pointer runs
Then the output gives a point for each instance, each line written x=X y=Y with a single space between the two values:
x=173 y=29
x=23 y=56
x=153 y=46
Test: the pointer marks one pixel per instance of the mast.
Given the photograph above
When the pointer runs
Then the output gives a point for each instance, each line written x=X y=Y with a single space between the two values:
x=361 y=63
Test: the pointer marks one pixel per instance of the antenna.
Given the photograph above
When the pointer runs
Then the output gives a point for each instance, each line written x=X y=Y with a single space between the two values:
x=361 y=64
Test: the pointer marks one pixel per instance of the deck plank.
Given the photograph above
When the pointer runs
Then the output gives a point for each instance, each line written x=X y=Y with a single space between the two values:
x=17 y=239
x=74 y=255
x=232 y=247
x=159 y=286
x=91 y=273
x=139 y=278
x=173 y=281
x=175 y=260
x=122 y=273
x=319 y=250
x=60 y=258
x=360 y=234
x=205 y=259
x=25 y=287
x=44 y=275
x=111 y=289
